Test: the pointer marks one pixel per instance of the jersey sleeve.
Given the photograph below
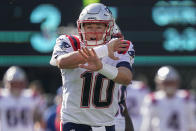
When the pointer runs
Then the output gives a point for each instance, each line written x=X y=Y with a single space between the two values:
x=126 y=59
x=122 y=94
x=62 y=46
x=122 y=98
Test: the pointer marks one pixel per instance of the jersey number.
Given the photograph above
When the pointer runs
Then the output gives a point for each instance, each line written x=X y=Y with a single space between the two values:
x=14 y=117
x=174 y=121
x=97 y=90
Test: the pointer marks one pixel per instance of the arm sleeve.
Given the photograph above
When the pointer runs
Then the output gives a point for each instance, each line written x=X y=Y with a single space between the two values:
x=62 y=46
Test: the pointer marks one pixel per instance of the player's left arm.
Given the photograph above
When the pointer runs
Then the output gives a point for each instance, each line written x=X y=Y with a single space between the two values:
x=121 y=74
x=124 y=76
x=124 y=66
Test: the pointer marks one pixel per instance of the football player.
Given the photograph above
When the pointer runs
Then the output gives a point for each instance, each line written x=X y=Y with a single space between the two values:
x=123 y=121
x=18 y=107
x=168 y=109
x=92 y=64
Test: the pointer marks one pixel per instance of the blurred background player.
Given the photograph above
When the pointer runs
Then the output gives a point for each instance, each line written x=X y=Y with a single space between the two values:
x=18 y=108
x=85 y=106
x=52 y=114
x=133 y=95
x=136 y=93
x=168 y=109
x=36 y=89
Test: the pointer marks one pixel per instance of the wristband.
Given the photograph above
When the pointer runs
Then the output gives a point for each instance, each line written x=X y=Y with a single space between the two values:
x=101 y=51
x=109 y=71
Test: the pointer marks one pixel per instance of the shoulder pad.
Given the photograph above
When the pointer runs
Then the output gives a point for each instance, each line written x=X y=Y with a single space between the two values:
x=152 y=98
x=75 y=41
x=123 y=52
x=139 y=85
x=184 y=94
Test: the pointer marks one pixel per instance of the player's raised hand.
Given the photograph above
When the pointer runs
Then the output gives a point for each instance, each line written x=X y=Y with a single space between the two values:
x=114 y=45
x=93 y=62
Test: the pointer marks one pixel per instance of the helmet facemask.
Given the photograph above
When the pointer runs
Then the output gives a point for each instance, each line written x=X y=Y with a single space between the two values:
x=95 y=40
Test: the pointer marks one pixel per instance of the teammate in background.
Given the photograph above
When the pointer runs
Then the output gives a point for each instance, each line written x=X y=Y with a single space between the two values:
x=36 y=89
x=168 y=109
x=91 y=69
x=135 y=96
x=18 y=108
x=51 y=115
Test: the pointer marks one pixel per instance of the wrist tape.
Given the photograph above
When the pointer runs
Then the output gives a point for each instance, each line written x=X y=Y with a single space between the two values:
x=109 y=71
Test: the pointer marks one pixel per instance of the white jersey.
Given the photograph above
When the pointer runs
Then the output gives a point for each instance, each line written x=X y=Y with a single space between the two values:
x=120 y=119
x=17 y=114
x=88 y=97
x=161 y=113
x=133 y=95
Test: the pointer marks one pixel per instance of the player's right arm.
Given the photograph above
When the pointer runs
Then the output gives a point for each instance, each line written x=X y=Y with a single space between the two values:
x=70 y=60
x=65 y=57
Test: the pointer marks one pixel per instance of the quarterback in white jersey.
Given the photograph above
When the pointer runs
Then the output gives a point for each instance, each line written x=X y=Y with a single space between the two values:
x=168 y=109
x=91 y=67
x=18 y=108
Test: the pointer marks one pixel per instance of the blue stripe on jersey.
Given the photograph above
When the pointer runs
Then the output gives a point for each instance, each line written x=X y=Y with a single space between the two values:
x=124 y=64
x=122 y=99
x=123 y=92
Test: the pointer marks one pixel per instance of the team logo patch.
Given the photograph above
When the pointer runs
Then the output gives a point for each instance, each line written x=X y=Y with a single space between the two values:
x=131 y=53
x=64 y=45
